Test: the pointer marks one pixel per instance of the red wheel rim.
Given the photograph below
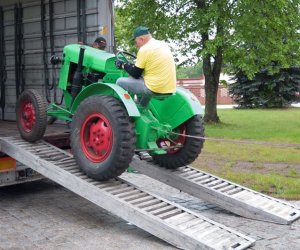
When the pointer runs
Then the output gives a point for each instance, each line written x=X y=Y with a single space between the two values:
x=96 y=137
x=176 y=140
x=27 y=116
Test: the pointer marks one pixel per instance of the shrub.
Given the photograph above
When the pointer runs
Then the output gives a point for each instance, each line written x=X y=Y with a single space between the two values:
x=266 y=90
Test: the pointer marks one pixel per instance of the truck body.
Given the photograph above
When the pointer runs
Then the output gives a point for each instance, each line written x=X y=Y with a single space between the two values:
x=30 y=32
x=108 y=124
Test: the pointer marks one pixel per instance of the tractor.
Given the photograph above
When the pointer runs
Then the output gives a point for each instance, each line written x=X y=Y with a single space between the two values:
x=108 y=124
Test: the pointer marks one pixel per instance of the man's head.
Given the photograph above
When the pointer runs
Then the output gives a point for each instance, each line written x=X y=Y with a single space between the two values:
x=141 y=36
x=99 y=43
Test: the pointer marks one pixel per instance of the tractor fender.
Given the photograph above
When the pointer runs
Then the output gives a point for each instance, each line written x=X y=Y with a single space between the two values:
x=177 y=108
x=107 y=89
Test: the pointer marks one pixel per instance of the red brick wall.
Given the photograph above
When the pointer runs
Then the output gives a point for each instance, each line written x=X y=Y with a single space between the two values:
x=196 y=86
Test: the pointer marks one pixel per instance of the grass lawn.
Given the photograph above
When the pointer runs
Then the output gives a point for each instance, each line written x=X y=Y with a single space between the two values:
x=274 y=170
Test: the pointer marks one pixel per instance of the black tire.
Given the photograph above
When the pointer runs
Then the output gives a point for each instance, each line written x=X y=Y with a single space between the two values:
x=102 y=137
x=192 y=147
x=31 y=115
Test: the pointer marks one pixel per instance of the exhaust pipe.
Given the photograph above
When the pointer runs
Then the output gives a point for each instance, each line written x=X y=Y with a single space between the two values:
x=78 y=76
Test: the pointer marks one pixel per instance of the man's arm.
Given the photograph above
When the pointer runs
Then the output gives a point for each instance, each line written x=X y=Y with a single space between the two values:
x=134 y=71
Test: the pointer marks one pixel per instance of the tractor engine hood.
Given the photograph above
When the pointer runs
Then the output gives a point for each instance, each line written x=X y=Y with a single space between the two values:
x=94 y=59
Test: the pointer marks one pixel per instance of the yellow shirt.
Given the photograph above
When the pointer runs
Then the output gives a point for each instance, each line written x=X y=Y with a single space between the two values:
x=156 y=59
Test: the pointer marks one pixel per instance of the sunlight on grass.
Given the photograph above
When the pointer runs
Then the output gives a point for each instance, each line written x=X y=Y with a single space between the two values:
x=253 y=153
x=282 y=126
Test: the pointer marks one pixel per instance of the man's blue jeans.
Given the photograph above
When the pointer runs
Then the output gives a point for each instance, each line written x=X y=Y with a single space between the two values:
x=132 y=85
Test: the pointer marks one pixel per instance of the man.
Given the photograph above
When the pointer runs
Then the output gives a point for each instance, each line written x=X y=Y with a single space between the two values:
x=99 y=43
x=155 y=61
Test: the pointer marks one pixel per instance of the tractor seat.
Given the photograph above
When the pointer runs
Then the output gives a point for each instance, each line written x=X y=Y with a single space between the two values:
x=145 y=99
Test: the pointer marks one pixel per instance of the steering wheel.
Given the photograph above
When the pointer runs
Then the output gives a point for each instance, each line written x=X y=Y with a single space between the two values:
x=125 y=57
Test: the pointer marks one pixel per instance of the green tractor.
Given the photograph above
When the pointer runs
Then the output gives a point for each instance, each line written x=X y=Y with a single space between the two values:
x=108 y=124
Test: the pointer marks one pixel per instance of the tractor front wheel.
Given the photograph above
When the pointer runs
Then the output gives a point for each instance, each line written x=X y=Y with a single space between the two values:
x=102 y=137
x=31 y=115
x=188 y=147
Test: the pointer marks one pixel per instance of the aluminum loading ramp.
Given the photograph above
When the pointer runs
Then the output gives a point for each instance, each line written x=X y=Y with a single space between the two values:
x=166 y=220
x=228 y=195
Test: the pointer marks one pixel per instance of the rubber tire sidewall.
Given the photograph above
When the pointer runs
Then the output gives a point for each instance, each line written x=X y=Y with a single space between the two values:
x=123 y=144
x=191 y=149
x=40 y=107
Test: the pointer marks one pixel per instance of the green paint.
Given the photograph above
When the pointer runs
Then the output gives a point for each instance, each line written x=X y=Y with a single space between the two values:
x=162 y=115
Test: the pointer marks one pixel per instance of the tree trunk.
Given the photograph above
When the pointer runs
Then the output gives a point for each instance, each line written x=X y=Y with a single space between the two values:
x=212 y=73
x=211 y=91
x=212 y=69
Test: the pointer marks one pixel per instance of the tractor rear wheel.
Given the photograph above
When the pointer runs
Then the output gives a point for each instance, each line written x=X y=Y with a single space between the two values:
x=31 y=115
x=190 y=146
x=102 y=137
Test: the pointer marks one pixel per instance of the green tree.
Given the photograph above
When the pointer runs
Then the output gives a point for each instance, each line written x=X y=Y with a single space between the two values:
x=245 y=34
x=266 y=90
x=194 y=71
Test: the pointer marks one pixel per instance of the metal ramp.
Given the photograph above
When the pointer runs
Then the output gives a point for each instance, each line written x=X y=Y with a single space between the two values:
x=166 y=220
x=228 y=195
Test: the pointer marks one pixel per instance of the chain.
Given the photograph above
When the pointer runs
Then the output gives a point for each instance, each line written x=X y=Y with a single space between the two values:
x=238 y=141
x=283 y=145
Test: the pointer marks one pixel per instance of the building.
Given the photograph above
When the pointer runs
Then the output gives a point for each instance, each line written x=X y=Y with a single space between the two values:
x=196 y=86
